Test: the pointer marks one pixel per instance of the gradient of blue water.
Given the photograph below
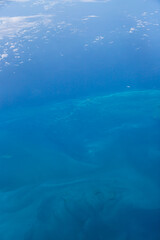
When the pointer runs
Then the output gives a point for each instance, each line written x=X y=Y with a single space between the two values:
x=99 y=68
x=80 y=125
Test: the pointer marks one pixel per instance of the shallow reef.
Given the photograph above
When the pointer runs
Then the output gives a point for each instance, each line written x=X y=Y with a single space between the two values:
x=82 y=169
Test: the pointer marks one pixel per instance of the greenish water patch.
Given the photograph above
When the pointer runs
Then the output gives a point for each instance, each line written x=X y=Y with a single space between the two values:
x=89 y=166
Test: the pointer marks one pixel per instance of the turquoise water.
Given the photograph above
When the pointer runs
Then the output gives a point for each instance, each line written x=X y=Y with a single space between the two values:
x=79 y=120
x=82 y=169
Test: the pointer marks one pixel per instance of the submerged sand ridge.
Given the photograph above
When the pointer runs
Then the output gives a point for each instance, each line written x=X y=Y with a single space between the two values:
x=87 y=166
x=80 y=207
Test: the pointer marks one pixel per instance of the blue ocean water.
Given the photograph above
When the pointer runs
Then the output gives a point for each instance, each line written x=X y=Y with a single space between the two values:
x=79 y=120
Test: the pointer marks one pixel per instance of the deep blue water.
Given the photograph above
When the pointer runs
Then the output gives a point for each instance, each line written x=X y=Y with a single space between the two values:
x=79 y=120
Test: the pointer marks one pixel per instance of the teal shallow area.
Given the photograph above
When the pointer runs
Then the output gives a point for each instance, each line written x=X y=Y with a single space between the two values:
x=82 y=169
